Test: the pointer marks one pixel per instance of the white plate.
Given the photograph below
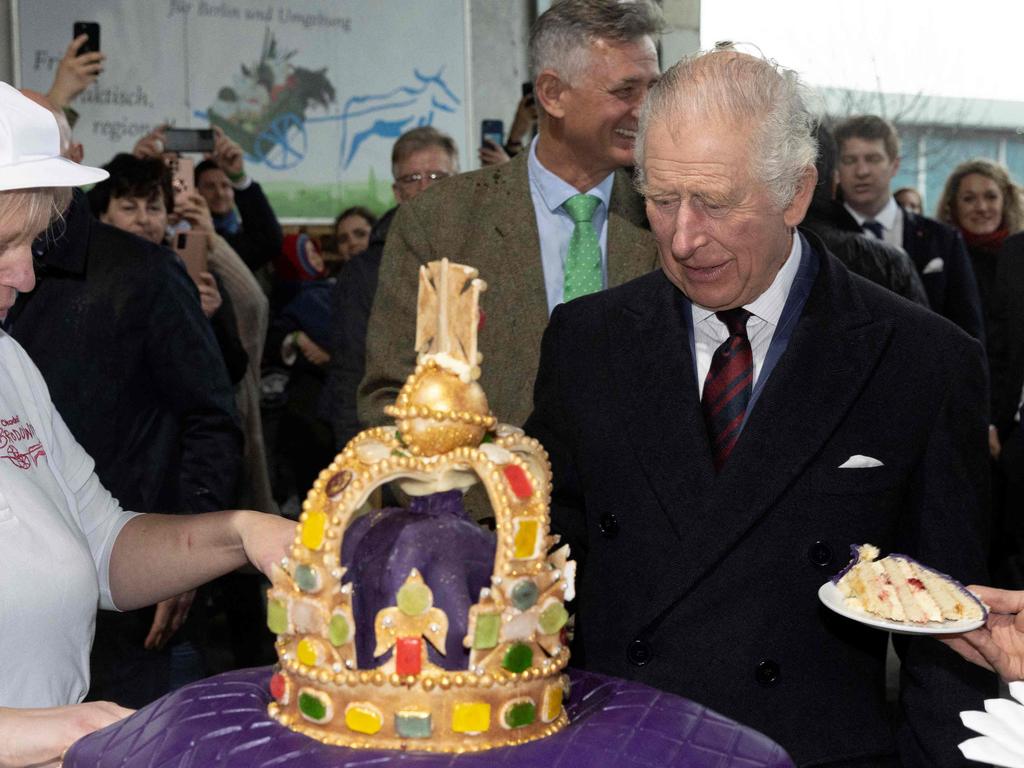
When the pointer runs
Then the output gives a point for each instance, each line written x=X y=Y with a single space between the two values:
x=830 y=595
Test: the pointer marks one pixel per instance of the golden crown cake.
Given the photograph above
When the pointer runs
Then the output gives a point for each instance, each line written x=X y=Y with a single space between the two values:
x=416 y=629
x=424 y=672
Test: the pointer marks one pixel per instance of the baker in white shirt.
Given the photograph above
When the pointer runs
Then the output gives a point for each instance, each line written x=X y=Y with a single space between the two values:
x=66 y=546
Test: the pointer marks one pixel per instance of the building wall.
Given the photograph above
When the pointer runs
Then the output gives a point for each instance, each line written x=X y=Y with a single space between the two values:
x=6 y=43
x=498 y=64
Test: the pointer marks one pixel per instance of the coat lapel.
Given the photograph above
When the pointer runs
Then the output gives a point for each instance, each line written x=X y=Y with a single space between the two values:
x=831 y=355
x=652 y=361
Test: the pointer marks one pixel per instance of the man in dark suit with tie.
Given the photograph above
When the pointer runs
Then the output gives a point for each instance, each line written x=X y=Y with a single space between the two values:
x=869 y=157
x=722 y=430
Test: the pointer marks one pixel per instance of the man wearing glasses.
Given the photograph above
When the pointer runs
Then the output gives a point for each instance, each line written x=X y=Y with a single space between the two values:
x=556 y=222
x=419 y=158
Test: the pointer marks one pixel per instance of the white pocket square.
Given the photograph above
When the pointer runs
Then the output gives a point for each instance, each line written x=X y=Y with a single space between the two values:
x=860 y=462
x=933 y=266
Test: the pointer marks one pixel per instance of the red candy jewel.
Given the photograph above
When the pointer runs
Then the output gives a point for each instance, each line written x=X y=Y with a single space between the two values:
x=277 y=686
x=518 y=480
x=408 y=656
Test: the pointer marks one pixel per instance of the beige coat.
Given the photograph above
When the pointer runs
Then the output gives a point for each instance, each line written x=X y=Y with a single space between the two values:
x=252 y=311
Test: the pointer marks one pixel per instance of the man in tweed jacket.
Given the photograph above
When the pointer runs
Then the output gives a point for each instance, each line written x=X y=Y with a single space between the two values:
x=593 y=63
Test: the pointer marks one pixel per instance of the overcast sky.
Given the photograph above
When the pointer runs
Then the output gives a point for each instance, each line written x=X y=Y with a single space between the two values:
x=971 y=48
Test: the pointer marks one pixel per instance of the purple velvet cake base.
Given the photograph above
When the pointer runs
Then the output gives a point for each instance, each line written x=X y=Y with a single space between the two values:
x=614 y=724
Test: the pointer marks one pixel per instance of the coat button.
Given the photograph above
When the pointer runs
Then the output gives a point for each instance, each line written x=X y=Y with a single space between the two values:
x=767 y=672
x=820 y=554
x=609 y=525
x=638 y=653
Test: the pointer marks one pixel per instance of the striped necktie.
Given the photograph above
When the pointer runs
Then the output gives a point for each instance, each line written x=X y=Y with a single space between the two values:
x=728 y=386
x=583 y=260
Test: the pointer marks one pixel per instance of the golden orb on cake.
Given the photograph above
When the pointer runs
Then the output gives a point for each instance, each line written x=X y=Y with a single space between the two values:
x=437 y=411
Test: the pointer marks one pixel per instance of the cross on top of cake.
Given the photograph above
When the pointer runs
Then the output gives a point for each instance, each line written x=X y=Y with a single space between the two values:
x=898 y=588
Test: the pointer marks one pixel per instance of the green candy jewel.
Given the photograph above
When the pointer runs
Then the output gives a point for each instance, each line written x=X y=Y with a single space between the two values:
x=277 y=617
x=552 y=618
x=518 y=658
x=413 y=599
x=338 y=631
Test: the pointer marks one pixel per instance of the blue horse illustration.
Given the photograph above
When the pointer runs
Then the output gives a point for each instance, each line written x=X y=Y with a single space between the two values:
x=390 y=114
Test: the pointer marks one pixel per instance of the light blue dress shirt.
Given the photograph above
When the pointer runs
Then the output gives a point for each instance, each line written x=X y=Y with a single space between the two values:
x=555 y=226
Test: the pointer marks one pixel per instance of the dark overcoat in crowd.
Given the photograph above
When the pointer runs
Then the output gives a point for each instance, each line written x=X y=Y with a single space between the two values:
x=939 y=253
x=706 y=585
x=867 y=256
x=259 y=237
x=1006 y=358
x=352 y=301
x=115 y=326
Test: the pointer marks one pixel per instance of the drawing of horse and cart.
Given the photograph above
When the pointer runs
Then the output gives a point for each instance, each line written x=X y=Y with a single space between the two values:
x=264 y=109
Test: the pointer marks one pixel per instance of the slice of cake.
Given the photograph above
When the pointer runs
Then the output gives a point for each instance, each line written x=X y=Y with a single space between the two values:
x=898 y=588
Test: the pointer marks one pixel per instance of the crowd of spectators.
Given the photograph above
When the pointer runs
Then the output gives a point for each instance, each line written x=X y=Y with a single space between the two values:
x=207 y=360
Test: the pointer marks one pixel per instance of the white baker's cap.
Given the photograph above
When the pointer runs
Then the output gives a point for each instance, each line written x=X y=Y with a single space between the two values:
x=30 y=147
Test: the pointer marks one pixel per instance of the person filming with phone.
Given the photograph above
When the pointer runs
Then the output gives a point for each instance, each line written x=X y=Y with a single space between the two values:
x=241 y=212
x=493 y=150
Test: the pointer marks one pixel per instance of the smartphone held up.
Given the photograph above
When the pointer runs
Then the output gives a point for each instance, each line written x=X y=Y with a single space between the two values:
x=492 y=131
x=188 y=140
x=91 y=30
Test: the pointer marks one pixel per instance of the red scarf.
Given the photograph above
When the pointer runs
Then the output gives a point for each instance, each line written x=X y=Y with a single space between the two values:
x=990 y=242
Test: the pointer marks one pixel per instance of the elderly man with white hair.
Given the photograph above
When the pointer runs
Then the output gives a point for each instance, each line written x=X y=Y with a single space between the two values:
x=722 y=430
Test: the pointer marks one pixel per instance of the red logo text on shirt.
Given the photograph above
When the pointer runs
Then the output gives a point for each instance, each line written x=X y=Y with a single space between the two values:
x=18 y=443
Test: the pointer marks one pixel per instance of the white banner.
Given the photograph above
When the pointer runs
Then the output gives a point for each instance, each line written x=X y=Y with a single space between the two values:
x=315 y=91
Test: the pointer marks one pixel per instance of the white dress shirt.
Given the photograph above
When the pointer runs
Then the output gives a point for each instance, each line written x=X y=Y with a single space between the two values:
x=891 y=219
x=709 y=333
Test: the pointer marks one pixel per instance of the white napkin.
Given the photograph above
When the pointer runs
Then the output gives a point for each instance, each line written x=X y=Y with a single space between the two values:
x=860 y=462
x=1001 y=726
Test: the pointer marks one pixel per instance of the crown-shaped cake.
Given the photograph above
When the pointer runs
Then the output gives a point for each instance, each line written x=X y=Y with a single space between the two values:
x=512 y=687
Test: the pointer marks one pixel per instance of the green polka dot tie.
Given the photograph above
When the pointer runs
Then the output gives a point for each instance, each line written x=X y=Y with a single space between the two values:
x=583 y=262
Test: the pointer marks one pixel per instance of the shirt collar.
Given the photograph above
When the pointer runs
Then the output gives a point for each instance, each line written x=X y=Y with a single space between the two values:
x=554 y=190
x=769 y=305
x=886 y=217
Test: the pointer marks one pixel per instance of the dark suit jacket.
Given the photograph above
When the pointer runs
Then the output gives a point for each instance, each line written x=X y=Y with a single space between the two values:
x=869 y=257
x=1006 y=361
x=484 y=219
x=1006 y=345
x=259 y=238
x=949 y=282
x=706 y=586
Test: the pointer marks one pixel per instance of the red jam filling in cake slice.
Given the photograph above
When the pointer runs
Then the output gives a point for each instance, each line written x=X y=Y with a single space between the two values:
x=898 y=588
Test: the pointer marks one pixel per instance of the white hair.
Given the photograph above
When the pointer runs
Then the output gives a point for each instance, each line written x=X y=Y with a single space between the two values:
x=742 y=90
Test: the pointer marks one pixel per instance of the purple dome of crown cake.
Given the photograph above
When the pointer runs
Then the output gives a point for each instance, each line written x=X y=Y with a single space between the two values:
x=436 y=536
